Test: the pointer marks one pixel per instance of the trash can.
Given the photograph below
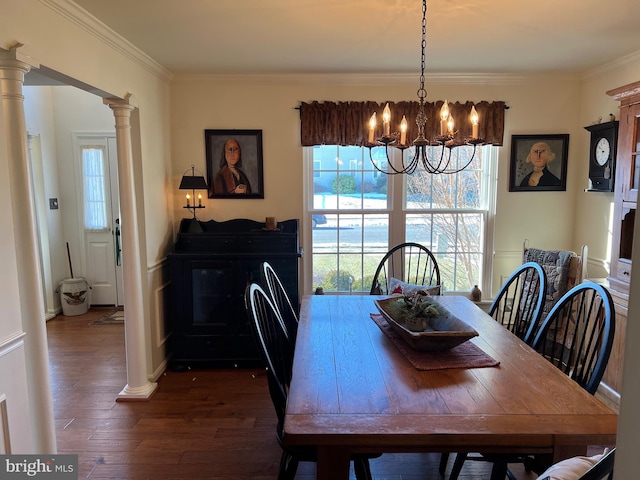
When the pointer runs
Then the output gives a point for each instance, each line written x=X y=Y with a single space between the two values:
x=74 y=296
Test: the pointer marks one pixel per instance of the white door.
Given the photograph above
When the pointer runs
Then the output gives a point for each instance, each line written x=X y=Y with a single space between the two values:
x=100 y=218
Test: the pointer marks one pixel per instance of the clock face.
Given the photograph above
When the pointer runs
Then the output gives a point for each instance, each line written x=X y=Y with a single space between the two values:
x=602 y=151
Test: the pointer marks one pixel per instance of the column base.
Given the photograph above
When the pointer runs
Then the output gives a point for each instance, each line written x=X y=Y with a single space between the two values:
x=129 y=394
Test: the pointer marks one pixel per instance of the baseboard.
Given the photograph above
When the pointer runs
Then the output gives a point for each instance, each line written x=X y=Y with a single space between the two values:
x=608 y=396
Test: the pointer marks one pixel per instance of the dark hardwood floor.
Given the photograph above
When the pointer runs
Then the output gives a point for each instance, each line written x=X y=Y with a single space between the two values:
x=200 y=424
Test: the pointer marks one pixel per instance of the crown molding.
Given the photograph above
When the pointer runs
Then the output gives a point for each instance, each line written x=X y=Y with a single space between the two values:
x=360 y=79
x=613 y=65
x=83 y=19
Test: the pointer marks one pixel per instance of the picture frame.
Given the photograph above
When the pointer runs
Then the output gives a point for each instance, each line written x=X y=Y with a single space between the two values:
x=246 y=179
x=553 y=176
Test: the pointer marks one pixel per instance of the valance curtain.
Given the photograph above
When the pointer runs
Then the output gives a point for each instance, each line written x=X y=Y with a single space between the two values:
x=347 y=123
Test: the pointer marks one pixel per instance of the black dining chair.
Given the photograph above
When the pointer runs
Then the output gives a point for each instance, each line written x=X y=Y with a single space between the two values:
x=518 y=308
x=518 y=305
x=598 y=467
x=576 y=337
x=280 y=298
x=603 y=469
x=277 y=352
x=409 y=263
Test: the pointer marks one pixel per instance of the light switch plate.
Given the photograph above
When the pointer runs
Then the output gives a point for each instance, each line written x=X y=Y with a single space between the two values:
x=53 y=204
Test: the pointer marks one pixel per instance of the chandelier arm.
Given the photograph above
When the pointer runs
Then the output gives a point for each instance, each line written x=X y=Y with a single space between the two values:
x=386 y=172
x=430 y=164
x=465 y=165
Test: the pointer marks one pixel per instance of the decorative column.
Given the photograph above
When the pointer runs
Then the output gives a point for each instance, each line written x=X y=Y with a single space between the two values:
x=138 y=386
x=12 y=71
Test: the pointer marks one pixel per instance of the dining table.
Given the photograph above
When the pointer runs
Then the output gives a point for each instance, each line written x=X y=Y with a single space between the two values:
x=357 y=389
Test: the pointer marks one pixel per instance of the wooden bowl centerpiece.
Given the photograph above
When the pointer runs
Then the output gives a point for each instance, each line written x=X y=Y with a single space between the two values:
x=423 y=323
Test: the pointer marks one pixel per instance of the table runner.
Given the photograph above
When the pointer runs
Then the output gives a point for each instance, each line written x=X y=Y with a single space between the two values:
x=466 y=355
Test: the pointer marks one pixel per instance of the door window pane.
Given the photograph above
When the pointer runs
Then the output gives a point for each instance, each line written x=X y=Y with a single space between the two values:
x=94 y=186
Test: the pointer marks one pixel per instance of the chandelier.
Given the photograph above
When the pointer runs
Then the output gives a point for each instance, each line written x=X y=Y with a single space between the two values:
x=445 y=138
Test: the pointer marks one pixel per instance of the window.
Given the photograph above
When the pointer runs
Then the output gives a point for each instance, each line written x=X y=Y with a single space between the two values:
x=450 y=214
x=94 y=188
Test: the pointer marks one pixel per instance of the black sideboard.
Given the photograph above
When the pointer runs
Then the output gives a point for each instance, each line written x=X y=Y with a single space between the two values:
x=210 y=270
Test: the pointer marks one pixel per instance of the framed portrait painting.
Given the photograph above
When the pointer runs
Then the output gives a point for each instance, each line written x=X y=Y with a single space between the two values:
x=234 y=163
x=539 y=163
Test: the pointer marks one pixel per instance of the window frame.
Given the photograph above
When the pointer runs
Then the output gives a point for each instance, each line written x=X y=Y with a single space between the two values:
x=398 y=212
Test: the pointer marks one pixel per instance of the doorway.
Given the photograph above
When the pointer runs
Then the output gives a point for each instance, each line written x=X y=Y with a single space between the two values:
x=96 y=159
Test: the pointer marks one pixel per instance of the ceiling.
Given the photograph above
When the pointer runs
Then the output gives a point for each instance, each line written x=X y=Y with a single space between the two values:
x=374 y=36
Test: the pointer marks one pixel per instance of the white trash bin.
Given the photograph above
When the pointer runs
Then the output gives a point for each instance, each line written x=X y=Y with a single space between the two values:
x=74 y=296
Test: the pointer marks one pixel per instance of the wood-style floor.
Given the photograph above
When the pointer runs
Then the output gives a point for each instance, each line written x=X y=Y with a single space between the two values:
x=200 y=424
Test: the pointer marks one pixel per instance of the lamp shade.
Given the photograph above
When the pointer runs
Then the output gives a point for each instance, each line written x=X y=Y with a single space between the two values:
x=193 y=182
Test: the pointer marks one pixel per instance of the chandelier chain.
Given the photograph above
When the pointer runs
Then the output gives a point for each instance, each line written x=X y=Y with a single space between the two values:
x=422 y=93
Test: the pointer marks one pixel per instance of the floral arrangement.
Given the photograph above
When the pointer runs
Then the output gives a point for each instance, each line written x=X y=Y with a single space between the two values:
x=416 y=310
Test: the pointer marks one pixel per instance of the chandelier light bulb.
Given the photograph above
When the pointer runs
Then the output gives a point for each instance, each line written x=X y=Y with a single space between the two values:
x=403 y=130
x=474 y=122
x=386 y=119
x=372 y=127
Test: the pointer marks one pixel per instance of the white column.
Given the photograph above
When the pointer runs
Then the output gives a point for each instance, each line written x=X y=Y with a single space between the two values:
x=138 y=386
x=12 y=71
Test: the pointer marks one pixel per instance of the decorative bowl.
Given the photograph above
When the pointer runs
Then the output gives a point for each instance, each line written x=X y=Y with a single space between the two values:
x=442 y=333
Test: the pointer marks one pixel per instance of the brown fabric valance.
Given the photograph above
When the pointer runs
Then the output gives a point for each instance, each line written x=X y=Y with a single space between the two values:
x=347 y=123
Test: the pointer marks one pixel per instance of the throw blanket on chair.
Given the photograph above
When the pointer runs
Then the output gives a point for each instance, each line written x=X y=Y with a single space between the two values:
x=556 y=264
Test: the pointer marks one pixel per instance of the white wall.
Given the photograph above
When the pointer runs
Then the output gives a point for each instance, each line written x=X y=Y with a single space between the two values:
x=54 y=35
x=55 y=113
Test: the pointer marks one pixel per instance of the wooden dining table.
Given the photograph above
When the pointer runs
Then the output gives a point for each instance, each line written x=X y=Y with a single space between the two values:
x=354 y=391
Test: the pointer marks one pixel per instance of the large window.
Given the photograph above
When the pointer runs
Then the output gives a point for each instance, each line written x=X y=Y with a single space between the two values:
x=362 y=217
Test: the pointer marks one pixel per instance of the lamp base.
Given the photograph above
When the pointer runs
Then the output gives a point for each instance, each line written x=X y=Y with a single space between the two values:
x=194 y=226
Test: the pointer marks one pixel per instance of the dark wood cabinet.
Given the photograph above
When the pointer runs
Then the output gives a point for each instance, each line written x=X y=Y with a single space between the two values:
x=210 y=270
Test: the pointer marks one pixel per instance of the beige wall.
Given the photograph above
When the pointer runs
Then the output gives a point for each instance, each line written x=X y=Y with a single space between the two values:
x=541 y=104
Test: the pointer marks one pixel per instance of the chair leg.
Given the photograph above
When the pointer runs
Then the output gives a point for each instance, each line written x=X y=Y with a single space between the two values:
x=288 y=466
x=362 y=468
x=499 y=471
x=444 y=458
x=457 y=466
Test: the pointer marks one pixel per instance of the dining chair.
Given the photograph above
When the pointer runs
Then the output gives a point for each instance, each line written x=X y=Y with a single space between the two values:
x=518 y=304
x=576 y=337
x=277 y=353
x=598 y=467
x=408 y=265
x=280 y=298
x=518 y=308
x=603 y=469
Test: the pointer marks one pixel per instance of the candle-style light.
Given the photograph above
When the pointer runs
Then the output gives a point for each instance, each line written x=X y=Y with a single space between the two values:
x=372 y=127
x=474 y=122
x=192 y=183
x=386 y=119
x=403 y=130
x=444 y=117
